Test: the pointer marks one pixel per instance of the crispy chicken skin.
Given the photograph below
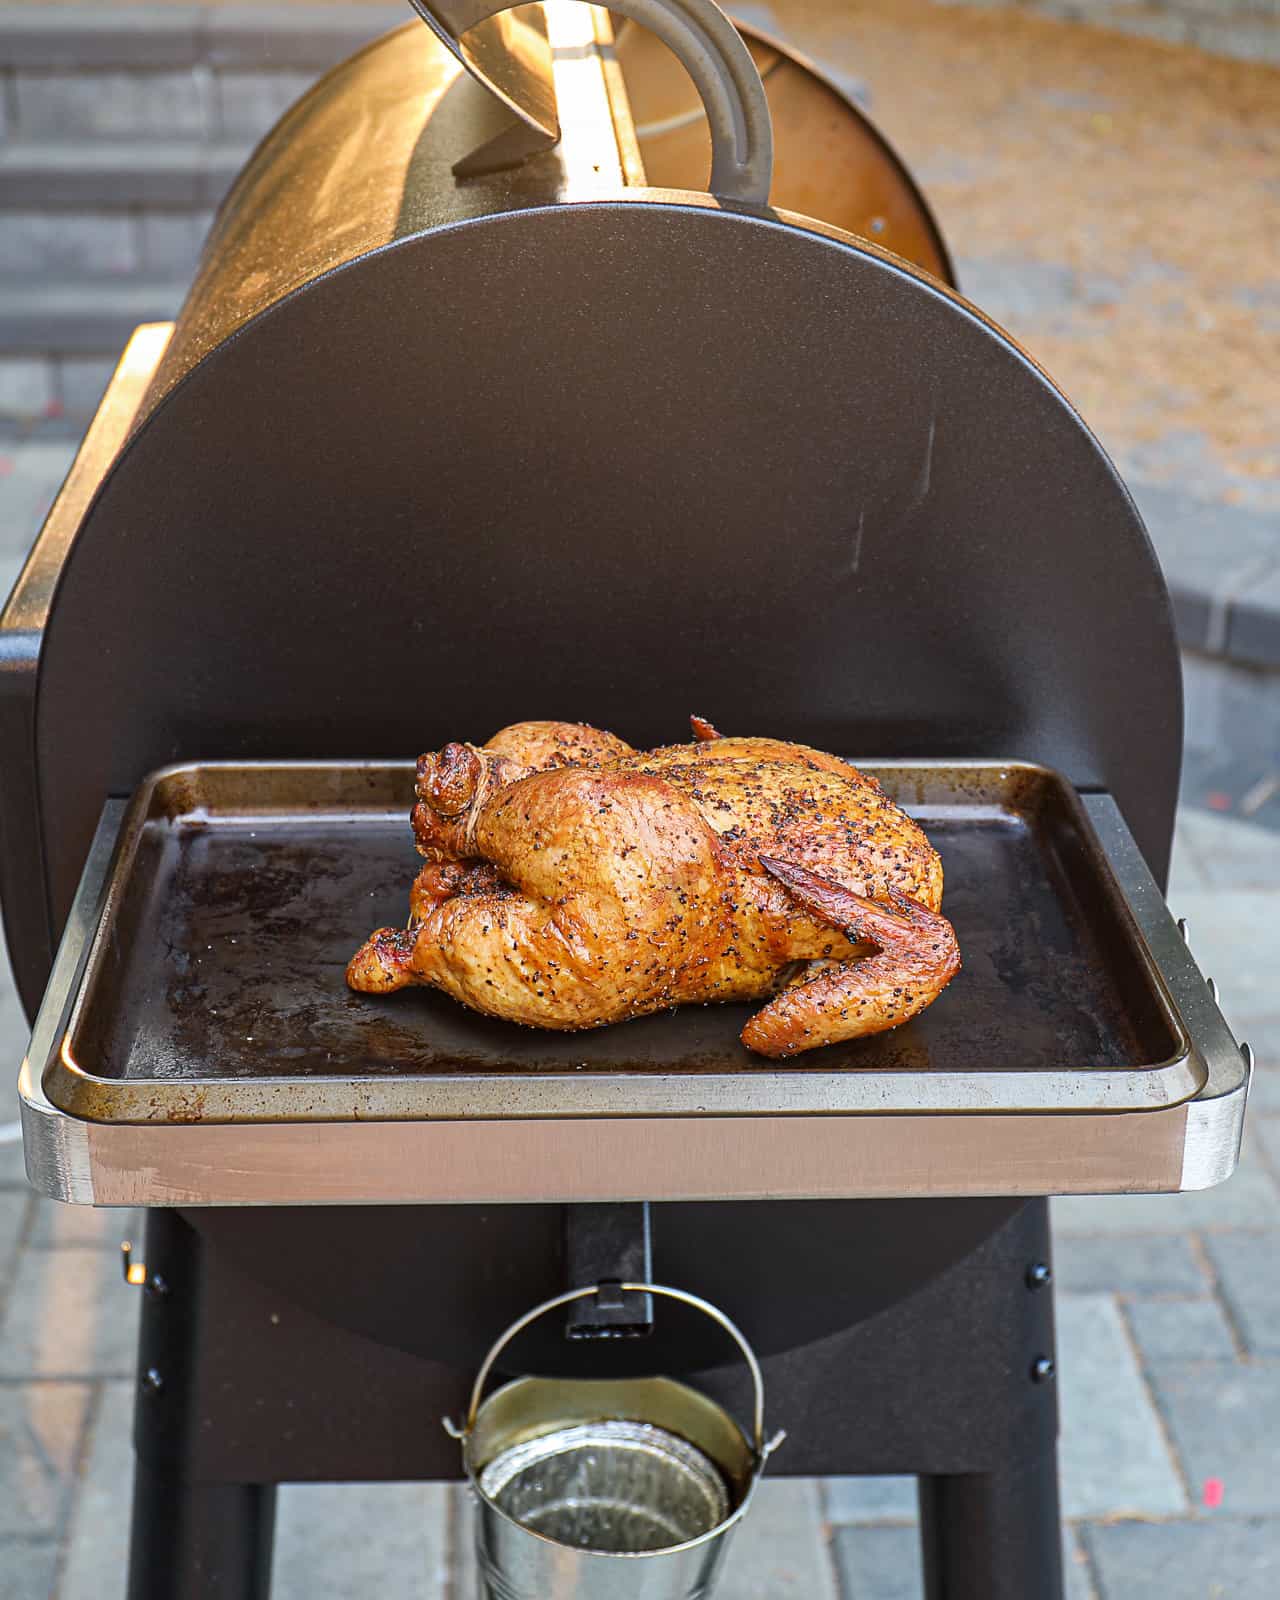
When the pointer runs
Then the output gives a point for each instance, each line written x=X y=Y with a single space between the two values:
x=537 y=745
x=572 y=881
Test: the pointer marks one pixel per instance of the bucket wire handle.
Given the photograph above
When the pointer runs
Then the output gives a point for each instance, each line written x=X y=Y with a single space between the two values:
x=763 y=1449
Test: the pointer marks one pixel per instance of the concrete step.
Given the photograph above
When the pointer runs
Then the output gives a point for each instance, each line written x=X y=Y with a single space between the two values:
x=121 y=128
x=226 y=73
x=82 y=318
x=101 y=175
x=96 y=36
x=68 y=246
x=196 y=102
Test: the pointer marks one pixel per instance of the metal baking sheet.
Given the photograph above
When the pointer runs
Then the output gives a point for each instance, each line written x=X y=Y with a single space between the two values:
x=213 y=987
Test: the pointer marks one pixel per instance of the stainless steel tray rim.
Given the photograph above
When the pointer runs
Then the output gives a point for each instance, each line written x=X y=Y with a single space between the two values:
x=466 y=1096
x=795 y=1090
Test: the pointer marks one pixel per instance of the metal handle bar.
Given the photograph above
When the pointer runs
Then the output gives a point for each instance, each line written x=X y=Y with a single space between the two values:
x=705 y=1306
x=711 y=51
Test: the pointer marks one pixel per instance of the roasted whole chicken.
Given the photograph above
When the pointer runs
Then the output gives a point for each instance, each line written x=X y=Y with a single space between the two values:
x=572 y=881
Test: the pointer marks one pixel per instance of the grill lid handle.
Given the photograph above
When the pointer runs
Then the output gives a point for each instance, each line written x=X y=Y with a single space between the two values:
x=705 y=43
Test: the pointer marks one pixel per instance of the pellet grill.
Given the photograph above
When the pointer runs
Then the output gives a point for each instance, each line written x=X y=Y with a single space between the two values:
x=466 y=420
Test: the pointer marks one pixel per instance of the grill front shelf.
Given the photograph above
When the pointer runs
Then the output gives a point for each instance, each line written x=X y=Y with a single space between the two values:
x=197 y=1044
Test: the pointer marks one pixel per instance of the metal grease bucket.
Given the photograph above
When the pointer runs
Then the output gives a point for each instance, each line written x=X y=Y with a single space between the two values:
x=604 y=1489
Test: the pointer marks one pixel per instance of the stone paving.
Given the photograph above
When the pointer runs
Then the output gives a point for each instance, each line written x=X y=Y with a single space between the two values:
x=1248 y=29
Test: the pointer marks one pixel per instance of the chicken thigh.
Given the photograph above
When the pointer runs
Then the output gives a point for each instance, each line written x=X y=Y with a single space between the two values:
x=572 y=882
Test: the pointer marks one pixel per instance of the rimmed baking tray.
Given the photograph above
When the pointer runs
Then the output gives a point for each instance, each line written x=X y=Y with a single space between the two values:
x=212 y=988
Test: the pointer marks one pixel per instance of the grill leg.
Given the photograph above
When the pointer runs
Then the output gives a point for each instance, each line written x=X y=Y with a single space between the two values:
x=995 y=1535
x=199 y=1541
x=192 y=1538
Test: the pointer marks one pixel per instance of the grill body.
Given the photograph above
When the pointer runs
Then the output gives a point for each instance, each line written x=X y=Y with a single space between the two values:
x=423 y=458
